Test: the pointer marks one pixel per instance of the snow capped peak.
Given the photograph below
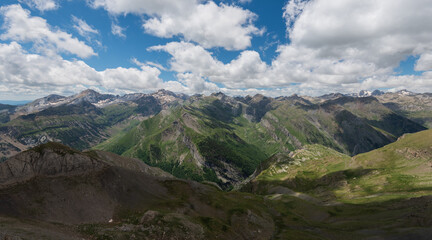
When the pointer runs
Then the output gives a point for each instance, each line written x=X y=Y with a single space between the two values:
x=404 y=92
x=365 y=93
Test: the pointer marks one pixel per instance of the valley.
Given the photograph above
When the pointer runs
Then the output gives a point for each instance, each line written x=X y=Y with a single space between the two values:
x=171 y=166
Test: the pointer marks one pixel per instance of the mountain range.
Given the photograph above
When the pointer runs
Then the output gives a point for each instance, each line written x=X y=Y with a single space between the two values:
x=143 y=166
x=55 y=192
x=214 y=138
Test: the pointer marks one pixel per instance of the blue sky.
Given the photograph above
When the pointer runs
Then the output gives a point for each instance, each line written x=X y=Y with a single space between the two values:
x=238 y=47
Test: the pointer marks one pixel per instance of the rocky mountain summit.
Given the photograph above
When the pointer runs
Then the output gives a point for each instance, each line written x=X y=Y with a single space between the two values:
x=93 y=97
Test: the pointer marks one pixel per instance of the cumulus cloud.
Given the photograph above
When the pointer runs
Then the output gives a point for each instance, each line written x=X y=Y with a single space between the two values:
x=203 y=22
x=349 y=40
x=335 y=46
x=41 y=72
x=17 y=66
x=20 y=26
x=131 y=78
x=292 y=11
x=41 y=5
x=342 y=45
x=33 y=75
x=188 y=57
x=247 y=70
x=210 y=25
x=424 y=63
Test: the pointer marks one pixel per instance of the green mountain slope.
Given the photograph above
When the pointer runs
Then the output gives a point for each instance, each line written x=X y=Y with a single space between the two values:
x=80 y=121
x=78 y=126
x=55 y=192
x=397 y=171
x=224 y=139
x=204 y=140
x=401 y=169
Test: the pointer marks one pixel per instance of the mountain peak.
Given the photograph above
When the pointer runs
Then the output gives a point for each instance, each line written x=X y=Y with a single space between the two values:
x=219 y=95
x=365 y=93
x=91 y=96
x=331 y=96
x=404 y=92
x=164 y=92
x=377 y=92
x=88 y=92
x=258 y=97
x=166 y=96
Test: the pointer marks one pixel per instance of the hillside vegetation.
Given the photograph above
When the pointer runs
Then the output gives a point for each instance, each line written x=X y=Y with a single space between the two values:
x=223 y=139
x=55 y=192
x=399 y=170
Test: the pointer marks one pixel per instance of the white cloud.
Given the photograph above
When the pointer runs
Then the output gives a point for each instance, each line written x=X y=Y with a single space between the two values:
x=34 y=75
x=358 y=36
x=19 y=68
x=188 y=57
x=247 y=70
x=204 y=22
x=83 y=28
x=148 y=63
x=424 y=63
x=117 y=30
x=341 y=45
x=190 y=83
x=293 y=10
x=41 y=5
x=131 y=78
x=148 y=7
x=209 y=25
x=20 y=26
x=335 y=46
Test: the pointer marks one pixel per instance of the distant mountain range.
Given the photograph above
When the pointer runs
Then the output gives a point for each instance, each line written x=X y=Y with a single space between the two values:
x=214 y=138
x=55 y=192
x=99 y=166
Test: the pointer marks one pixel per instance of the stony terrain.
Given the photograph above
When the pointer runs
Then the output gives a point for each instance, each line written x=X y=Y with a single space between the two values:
x=417 y=107
x=55 y=192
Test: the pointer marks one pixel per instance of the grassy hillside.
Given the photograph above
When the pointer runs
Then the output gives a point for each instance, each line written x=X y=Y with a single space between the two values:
x=223 y=139
x=205 y=141
x=397 y=171
x=100 y=195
